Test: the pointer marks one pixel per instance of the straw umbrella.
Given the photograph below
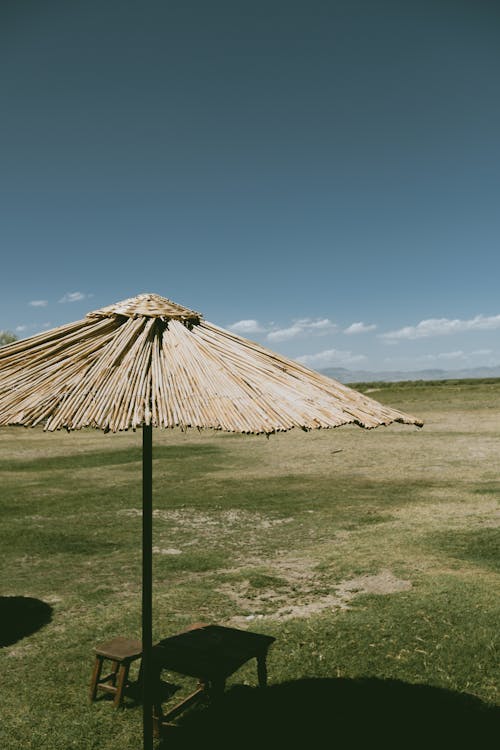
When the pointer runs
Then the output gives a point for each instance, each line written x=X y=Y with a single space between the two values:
x=149 y=362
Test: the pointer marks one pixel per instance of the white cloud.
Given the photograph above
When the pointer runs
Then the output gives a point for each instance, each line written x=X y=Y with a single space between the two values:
x=319 y=324
x=481 y=353
x=443 y=327
x=74 y=297
x=284 y=334
x=303 y=326
x=330 y=358
x=246 y=326
x=449 y=356
x=22 y=328
x=442 y=356
x=452 y=355
x=39 y=303
x=359 y=328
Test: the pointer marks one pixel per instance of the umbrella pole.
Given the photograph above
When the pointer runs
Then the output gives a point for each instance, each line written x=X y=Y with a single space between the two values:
x=147 y=585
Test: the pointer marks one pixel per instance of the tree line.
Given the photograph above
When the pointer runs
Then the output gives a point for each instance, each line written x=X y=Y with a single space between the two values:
x=6 y=337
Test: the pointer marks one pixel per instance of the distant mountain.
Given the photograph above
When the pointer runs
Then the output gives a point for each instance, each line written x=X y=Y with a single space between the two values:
x=369 y=376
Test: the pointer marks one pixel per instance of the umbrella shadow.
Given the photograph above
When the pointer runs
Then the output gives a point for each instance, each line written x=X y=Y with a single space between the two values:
x=117 y=457
x=21 y=616
x=353 y=713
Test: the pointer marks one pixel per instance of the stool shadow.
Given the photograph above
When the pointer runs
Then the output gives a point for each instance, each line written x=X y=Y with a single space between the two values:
x=21 y=616
x=351 y=713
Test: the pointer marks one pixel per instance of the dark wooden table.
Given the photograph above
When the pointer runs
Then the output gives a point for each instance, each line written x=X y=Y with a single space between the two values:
x=210 y=653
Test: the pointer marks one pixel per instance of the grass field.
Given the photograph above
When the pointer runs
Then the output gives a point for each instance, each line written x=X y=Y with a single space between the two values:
x=372 y=556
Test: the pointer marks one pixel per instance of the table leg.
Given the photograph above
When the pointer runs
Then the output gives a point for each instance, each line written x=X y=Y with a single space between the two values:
x=262 y=669
x=217 y=688
x=157 y=707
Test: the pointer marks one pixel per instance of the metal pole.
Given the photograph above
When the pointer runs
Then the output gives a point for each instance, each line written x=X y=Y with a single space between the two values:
x=147 y=585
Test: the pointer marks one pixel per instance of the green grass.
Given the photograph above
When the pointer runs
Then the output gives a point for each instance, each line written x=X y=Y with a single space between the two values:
x=372 y=556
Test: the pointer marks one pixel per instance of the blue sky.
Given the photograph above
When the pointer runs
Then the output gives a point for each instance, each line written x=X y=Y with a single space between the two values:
x=322 y=177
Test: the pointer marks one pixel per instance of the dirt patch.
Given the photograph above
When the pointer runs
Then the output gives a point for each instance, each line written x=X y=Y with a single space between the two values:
x=218 y=519
x=167 y=551
x=381 y=583
x=290 y=602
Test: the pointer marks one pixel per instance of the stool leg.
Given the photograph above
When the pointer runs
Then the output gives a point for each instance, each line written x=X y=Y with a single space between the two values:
x=114 y=670
x=96 y=674
x=122 y=681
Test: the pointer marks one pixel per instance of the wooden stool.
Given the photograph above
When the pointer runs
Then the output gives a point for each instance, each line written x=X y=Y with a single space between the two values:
x=121 y=652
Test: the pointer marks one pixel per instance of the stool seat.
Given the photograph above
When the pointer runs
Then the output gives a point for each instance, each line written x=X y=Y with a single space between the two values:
x=121 y=652
x=120 y=649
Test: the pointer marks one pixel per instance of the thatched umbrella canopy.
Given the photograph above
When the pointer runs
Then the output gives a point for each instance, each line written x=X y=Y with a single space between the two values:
x=148 y=362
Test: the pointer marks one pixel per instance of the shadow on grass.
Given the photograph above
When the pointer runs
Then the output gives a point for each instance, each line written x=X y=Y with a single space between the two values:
x=116 y=457
x=480 y=546
x=353 y=713
x=21 y=616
